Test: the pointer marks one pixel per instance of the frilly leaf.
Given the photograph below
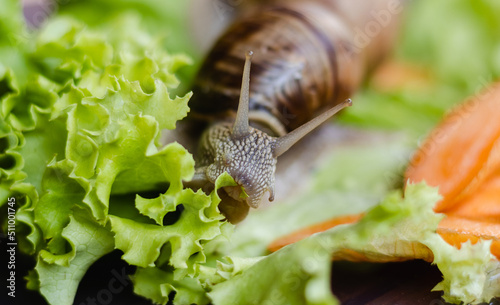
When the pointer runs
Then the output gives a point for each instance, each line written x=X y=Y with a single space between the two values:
x=157 y=284
x=81 y=111
x=141 y=243
x=470 y=275
x=89 y=241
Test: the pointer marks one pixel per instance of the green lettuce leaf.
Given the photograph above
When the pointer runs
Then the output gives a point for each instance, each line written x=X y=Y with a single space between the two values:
x=15 y=42
x=158 y=285
x=173 y=257
x=470 y=275
x=300 y=273
x=83 y=130
x=399 y=228
x=89 y=241
x=168 y=20
x=141 y=243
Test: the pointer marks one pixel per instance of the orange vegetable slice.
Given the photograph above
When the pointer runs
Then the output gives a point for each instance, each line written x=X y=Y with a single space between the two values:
x=308 y=231
x=460 y=153
x=482 y=205
x=456 y=230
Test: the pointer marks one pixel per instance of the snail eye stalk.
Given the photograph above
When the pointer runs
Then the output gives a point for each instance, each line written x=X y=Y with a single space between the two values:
x=241 y=125
x=284 y=143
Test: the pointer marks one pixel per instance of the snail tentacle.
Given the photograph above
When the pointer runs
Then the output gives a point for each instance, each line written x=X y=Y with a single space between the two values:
x=284 y=143
x=241 y=126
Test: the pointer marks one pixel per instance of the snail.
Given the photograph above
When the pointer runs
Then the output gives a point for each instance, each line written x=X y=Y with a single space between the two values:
x=306 y=59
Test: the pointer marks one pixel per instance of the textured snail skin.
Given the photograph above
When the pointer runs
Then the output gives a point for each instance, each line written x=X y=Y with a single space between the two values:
x=248 y=159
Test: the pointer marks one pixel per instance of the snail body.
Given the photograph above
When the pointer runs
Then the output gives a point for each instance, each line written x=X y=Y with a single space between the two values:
x=305 y=60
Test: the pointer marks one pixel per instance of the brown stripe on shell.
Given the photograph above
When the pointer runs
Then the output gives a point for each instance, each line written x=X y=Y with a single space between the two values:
x=327 y=43
x=301 y=63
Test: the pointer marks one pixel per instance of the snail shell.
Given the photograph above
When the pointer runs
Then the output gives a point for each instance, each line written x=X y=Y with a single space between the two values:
x=308 y=56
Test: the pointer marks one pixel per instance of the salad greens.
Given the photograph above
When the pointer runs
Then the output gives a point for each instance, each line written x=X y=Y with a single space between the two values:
x=84 y=125
x=300 y=273
x=84 y=100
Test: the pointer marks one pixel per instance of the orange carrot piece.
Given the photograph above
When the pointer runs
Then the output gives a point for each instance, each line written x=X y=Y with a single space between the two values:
x=308 y=231
x=456 y=230
x=455 y=155
x=482 y=205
